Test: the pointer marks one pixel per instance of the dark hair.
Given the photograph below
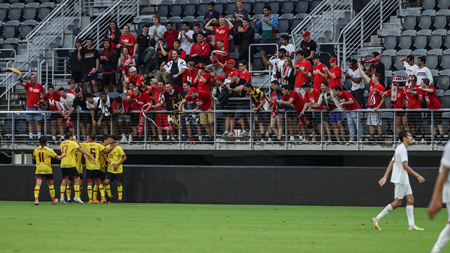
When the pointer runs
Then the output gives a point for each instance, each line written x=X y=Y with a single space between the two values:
x=177 y=40
x=402 y=134
x=414 y=78
x=248 y=85
x=246 y=19
x=118 y=100
x=43 y=140
x=152 y=42
x=426 y=81
x=301 y=52
x=92 y=137
x=50 y=87
x=61 y=89
x=337 y=88
x=133 y=83
x=114 y=137
x=354 y=61
x=221 y=40
x=103 y=93
x=423 y=59
x=109 y=26
x=67 y=135
x=243 y=62
x=88 y=38
x=197 y=24
x=187 y=83
x=163 y=40
x=88 y=95
x=171 y=23
x=105 y=137
x=410 y=57
x=267 y=7
x=202 y=34
x=286 y=87
x=282 y=50
x=375 y=54
x=79 y=41
x=212 y=4
x=146 y=25
x=285 y=37
x=185 y=23
x=326 y=83
x=162 y=81
x=275 y=82
x=378 y=76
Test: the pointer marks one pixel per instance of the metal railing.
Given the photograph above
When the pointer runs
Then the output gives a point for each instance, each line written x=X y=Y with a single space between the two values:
x=120 y=11
x=89 y=5
x=61 y=69
x=323 y=18
x=286 y=133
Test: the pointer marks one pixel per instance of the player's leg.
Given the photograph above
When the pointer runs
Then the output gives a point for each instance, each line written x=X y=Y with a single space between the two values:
x=399 y=193
x=89 y=175
x=98 y=182
x=119 y=188
x=107 y=185
x=54 y=130
x=37 y=188
x=61 y=127
x=78 y=181
x=410 y=210
x=444 y=236
x=51 y=188
x=69 y=189
x=63 y=185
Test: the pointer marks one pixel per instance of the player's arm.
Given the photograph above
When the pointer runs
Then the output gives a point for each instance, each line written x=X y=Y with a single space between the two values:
x=436 y=201
x=386 y=174
x=364 y=75
x=402 y=60
x=79 y=149
x=111 y=147
x=412 y=172
x=116 y=165
x=59 y=157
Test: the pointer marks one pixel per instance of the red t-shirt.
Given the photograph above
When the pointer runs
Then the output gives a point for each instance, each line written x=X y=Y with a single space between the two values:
x=375 y=94
x=247 y=76
x=300 y=79
x=222 y=33
x=124 y=107
x=313 y=98
x=298 y=103
x=138 y=102
x=333 y=82
x=399 y=102
x=318 y=79
x=127 y=59
x=431 y=99
x=203 y=100
x=346 y=97
x=138 y=80
x=129 y=38
x=158 y=96
x=33 y=94
x=51 y=100
x=204 y=86
x=221 y=58
x=412 y=101
x=190 y=77
x=170 y=37
x=227 y=71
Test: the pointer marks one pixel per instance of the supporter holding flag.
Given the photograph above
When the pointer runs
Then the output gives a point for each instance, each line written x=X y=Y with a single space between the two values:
x=34 y=91
x=376 y=67
x=397 y=94
x=357 y=84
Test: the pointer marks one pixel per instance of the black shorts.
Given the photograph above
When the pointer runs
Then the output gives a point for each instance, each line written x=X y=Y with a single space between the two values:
x=111 y=176
x=414 y=117
x=94 y=175
x=70 y=173
x=77 y=76
x=262 y=117
x=236 y=40
x=108 y=79
x=400 y=113
x=56 y=116
x=140 y=59
x=48 y=177
x=134 y=119
x=85 y=118
x=102 y=176
x=80 y=176
x=437 y=118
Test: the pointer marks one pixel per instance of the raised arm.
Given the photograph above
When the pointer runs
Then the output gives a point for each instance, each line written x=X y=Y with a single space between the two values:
x=363 y=74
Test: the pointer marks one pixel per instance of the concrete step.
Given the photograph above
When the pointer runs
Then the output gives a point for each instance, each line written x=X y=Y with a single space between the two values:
x=404 y=11
x=392 y=26
x=375 y=39
x=372 y=44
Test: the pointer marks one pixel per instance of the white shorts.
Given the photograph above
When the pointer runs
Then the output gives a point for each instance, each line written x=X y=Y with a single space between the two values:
x=402 y=190
x=374 y=119
x=448 y=210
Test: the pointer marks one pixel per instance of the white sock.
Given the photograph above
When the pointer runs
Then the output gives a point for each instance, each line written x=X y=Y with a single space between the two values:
x=292 y=138
x=200 y=138
x=168 y=137
x=39 y=135
x=123 y=136
x=410 y=214
x=160 y=138
x=443 y=238
x=31 y=135
x=54 y=138
x=385 y=212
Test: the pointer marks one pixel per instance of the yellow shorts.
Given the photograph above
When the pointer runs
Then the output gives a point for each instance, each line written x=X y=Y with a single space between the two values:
x=206 y=117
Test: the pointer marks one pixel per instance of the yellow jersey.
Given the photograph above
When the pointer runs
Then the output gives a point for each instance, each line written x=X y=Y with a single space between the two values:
x=44 y=160
x=115 y=156
x=96 y=150
x=78 y=156
x=69 y=148
x=102 y=159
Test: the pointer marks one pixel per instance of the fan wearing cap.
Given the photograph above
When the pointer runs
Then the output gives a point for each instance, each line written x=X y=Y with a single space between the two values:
x=308 y=45
x=200 y=50
x=203 y=79
x=228 y=67
x=276 y=63
x=216 y=69
x=319 y=74
x=311 y=97
x=237 y=90
x=175 y=69
x=348 y=103
x=334 y=73
x=133 y=77
x=302 y=68
x=34 y=91
x=203 y=101
x=259 y=102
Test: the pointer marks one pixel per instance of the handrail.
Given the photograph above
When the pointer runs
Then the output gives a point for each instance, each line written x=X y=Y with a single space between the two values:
x=14 y=58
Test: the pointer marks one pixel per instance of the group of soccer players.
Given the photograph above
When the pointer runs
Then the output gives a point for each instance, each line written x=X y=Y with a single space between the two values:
x=97 y=155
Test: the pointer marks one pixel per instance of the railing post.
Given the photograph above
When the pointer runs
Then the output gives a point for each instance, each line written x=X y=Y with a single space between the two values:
x=362 y=32
x=395 y=129
x=344 y=53
x=13 y=126
x=251 y=125
x=145 y=132
x=381 y=13
x=45 y=124
x=432 y=130
x=286 y=130
x=215 y=122
x=78 y=126
x=321 y=129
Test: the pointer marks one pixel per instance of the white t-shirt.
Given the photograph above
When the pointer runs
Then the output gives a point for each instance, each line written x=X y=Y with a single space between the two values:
x=424 y=73
x=399 y=174
x=445 y=161
x=411 y=70
x=185 y=44
x=356 y=74
x=280 y=64
x=160 y=30
x=67 y=102
x=289 y=49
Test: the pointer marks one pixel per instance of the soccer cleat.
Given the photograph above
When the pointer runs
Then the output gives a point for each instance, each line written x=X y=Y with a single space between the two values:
x=78 y=200
x=62 y=201
x=36 y=203
x=104 y=201
x=375 y=224
x=119 y=201
x=108 y=199
x=415 y=227
x=96 y=201
x=54 y=202
x=91 y=202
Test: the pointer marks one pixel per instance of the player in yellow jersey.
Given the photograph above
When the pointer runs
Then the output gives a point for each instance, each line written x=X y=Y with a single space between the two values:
x=115 y=158
x=93 y=171
x=78 y=156
x=43 y=156
x=107 y=147
x=68 y=165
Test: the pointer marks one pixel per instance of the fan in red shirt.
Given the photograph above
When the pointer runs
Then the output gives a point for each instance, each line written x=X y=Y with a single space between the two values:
x=245 y=74
x=221 y=32
x=200 y=51
x=203 y=100
x=34 y=91
x=229 y=67
x=52 y=97
x=177 y=47
x=135 y=77
x=311 y=97
x=414 y=101
x=319 y=74
x=127 y=39
x=139 y=99
x=218 y=52
x=398 y=95
x=72 y=87
x=291 y=98
x=349 y=103
x=160 y=118
x=302 y=69
x=190 y=74
x=334 y=73
x=431 y=99
x=121 y=109
x=203 y=80
x=170 y=35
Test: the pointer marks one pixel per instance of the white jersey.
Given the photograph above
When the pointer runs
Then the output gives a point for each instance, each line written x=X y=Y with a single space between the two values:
x=279 y=63
x=445 y=161
x=185 y=44
x=289 y=49
x=411 y=71
x=356 y=74
x=399 y=174
x=67 y=102
x=424 y=73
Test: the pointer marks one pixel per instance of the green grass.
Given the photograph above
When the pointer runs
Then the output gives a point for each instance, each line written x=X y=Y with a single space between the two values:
x=209 y=228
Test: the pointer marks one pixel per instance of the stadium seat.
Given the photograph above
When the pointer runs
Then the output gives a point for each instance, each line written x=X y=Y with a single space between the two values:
x=429 y=4
x=400 y=54
x=433 y=58
x=230 y=7
x=287 y=7
x=419 y=52
x=26 y=28
x=44 y=10
x=234 y=56
x=14 y=1
x=410 y=20
x=258 y=7
x=437 y=38
x=258 y=17
x=387 y=57
x=162 y=20
x=446 y=99
x=434 y=74
x=422 y=38
x=114 y=95
x=441 y=19
x=191 y=21
x=391 y=39
x=284 y=23
x=314 y=4
x=400 y=73
x=176 y=22
x=15 y=11
x=4 y=8
x=447 y=40
x=202 y=7
x=190 y=7
x=406 y=40
x=298 y=19
x=302 y=7
x=443 y=80
x=176 y=9
x=257 y=64
x=388 y=79
x=426 y=19
x=30 y=11
x=220 y=6
x=348 y=84
x=275 y=5
x=443 y=4
x=1 y=43
x=445 y=60
x=164 y=8
x=199 y=20
x=11 y=29
x=141 y=24
x=440 y=94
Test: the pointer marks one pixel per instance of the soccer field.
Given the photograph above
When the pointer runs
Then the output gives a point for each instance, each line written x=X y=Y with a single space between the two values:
x=209 y=228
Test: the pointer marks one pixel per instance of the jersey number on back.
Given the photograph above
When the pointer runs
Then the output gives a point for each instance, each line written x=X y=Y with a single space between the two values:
x=93 y=152
x=65 y=148
x=41 y=157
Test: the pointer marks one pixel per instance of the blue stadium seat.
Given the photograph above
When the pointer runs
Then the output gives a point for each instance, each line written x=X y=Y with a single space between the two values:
x=257 y=64
x=446 y=99
x=191 y=21
x=400 y=54
x=298 y=19
x=164 y=8
x=162 y=20
x=30 y=11
x=141 y=24
x=230 y=7
x=11 y=43
x=437 y=38
x=44 y=10
x=422 y=38
x=441 y=19
x=433 y=58
x=1 y=43
x=445 y=60
x=443 y=4
x=114 y=95
x=302 y=6
x=275 y=5
x=176 y=9
x=11 y=29
x=199 y=20
x=410 y=20
x=388 y=79
x=220 y=6
x=26 y=28
x=190 y=7
x=202 y=8
x=176 y=22
x=443 y=80
x=419 y=52
x=15 y=11
x=406 y=40
x=258 y=7
x=4 y=8
x=14 y=1
x=426 y=19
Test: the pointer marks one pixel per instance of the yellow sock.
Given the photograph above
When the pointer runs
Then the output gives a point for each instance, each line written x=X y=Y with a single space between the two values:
x=95 y=192
x=77 y=191
x=90 y=192
x=119 y=191
x=69 y=191
x=81 y=189
x=108 y=190
x=36 y=192
x=102 y=191
x=62 y=189
x=52 y=192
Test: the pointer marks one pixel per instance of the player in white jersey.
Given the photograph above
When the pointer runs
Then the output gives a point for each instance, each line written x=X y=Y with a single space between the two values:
x=400 y=169
x=411 y=68
x=442 y=195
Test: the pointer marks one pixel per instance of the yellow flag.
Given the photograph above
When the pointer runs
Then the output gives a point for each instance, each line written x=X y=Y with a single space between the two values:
x=15 y=70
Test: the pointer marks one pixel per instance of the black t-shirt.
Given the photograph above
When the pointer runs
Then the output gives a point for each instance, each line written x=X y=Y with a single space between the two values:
x=379 y=68
x=175 y=71
x=81 y=103
x=234 y=85
x=172 y=100
x=308 y=47
x=161 y=57
x=142 y=42
x=89 y=59
x=237 y=13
